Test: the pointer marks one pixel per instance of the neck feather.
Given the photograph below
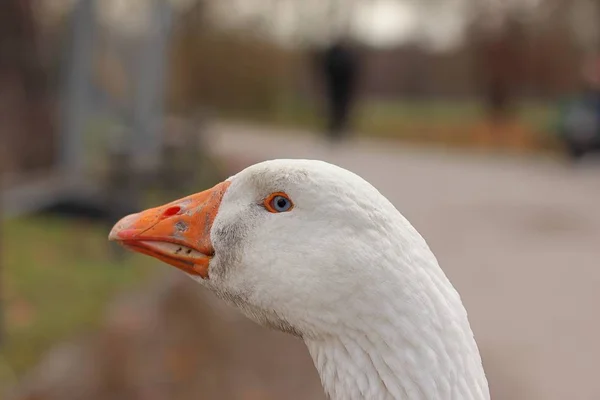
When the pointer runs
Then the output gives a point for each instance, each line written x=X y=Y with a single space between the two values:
x=416 y=346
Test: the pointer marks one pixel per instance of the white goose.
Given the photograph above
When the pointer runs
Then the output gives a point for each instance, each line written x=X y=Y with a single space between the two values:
x=312 y=249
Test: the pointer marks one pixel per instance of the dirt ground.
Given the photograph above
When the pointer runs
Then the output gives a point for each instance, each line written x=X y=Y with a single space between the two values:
x=519 y=238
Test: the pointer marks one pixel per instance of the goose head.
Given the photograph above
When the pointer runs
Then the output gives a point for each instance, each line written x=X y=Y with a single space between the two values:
x=311 y=249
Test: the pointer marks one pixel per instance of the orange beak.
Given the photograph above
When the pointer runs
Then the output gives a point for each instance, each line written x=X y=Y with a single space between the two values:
x=177 y=233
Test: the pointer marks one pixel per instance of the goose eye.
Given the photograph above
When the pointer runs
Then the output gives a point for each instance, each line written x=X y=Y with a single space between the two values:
x=278 y=203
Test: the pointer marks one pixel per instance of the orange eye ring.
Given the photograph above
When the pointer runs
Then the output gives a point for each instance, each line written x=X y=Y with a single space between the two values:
x=278 y=202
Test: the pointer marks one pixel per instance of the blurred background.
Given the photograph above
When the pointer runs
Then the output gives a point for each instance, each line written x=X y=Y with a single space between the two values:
x=478 y=119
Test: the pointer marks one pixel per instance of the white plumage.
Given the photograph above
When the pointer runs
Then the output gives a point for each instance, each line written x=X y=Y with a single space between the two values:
x=342 y=269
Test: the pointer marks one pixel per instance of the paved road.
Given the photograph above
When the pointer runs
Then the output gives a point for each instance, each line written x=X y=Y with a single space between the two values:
x=519 y=238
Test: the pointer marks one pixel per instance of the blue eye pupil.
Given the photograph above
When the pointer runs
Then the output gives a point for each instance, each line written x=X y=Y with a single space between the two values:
x=281 y=203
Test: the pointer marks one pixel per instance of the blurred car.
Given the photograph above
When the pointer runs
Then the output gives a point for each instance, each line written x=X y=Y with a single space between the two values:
x=579 y=125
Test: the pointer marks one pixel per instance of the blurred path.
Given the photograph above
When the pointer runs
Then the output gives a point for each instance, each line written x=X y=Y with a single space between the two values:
x=520 y=239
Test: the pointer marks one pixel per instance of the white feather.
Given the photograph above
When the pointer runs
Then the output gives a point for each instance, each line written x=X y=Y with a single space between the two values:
x=350 y=275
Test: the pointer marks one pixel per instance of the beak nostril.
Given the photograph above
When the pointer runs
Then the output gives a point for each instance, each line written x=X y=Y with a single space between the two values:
x=169 y=212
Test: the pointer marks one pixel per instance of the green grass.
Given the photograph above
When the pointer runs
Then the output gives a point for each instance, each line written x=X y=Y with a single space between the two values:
x=443 y=121
x=58 y=279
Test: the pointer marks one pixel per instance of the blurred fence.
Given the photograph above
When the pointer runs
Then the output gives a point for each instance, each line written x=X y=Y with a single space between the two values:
x=64 y=116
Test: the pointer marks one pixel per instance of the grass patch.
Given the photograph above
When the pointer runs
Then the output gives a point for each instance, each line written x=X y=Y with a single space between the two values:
x=459 y=123
x=58 y=278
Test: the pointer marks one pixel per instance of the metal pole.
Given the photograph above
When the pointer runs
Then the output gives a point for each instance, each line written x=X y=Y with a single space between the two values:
x=148 y=107
x=77 y=90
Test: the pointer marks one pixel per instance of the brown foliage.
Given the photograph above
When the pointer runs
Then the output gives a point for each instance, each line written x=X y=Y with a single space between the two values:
x=230 y=71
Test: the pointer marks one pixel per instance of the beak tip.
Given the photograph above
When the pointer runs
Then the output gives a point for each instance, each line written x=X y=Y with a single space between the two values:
x=113 y=236
x=121 y=230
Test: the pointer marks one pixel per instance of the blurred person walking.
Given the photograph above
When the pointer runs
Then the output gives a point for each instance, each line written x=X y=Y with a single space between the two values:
x=339 y=68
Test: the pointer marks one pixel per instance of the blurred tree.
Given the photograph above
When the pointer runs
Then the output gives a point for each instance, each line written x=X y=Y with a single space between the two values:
x=520 y=47
x=28 y=130
x=499 y=62
x=235 y=70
